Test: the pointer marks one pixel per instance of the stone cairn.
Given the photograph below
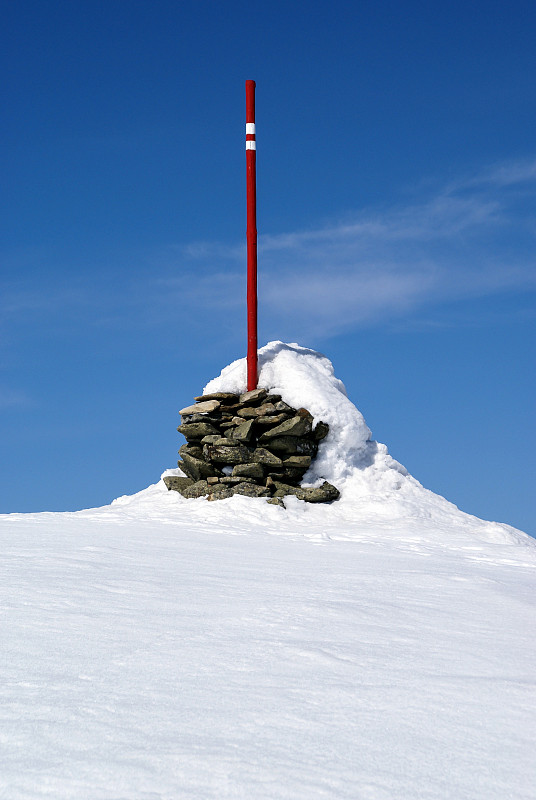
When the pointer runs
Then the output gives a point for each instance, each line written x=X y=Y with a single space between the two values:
x=252 y=444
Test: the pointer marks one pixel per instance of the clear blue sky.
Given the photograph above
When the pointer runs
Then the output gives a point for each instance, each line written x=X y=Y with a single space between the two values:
x=396 y=213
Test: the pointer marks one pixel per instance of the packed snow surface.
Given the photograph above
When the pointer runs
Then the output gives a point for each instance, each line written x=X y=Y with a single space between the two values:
x=380 y=647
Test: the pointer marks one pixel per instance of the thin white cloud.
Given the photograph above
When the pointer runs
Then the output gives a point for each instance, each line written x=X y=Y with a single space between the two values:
x=508 y=173
x=10 y=398
x=466 y=241
x=19 y=302
x=471 y=238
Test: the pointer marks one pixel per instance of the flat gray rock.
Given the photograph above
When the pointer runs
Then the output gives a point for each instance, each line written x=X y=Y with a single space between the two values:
x=177 y=483
x=223 y=397
x=197 y=430
x=276 y=501
x=197 y=468
x=319 y=494
x=201 y=408
x=321 y=431
x=251 y=490
x=213 y=437
x=292 y=475
x=254 y=396
x=198 y=489
x=220 y=492
x=257 y=411
x=284 y=489
x=296 y=426
x=191 y=450
x=244 y=431
x=271 y=420
x=282 y=406
x=292 y=445
x=298 y=461
x=262 y=456
x=187 y=419
x=224 y=454
x=248 y=471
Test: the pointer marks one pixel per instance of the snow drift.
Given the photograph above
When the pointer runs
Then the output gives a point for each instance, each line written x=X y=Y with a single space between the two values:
x=305 y=378
x=374 y=487
x=379 y=647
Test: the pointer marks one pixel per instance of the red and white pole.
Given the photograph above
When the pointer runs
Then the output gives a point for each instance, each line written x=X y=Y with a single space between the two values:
x=251 y=234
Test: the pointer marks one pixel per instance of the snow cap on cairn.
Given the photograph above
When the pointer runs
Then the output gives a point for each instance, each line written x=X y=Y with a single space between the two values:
x=305 y=378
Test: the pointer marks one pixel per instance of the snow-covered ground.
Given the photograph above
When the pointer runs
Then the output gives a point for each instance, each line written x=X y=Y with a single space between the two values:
x=380 y=647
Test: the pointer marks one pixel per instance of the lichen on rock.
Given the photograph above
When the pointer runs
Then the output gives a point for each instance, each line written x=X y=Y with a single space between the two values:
x=252 y=444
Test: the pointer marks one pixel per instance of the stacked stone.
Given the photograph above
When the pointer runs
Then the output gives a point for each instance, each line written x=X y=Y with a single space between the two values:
x=252 y=444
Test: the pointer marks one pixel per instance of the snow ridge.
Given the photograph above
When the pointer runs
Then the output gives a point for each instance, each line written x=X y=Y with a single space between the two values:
x=377 y=647
x=374 y=486
x=380 y=501
x=305 y=378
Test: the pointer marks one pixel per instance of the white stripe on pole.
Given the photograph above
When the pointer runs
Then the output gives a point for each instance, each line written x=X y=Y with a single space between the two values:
x=251 y=146
x=250 y=127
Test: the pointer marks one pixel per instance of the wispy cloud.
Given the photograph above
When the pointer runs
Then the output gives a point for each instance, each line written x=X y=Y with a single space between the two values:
x=509 y=173
x=470 y=239
x=13 y=399
x=20 y=301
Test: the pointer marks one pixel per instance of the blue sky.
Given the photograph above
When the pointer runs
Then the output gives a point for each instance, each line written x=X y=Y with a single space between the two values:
x=396 y=215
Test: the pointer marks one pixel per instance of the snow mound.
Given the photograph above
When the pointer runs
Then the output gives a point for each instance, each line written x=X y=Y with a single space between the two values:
x=376 y=647
x=380 y=501
x=373 y=485
x=305 y=378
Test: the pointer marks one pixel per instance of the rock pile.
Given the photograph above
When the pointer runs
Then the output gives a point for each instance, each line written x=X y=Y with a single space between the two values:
x=252 y=444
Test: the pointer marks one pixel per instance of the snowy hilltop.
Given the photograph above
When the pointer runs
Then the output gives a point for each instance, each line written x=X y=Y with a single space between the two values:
x=376 y=647
x=374 y=487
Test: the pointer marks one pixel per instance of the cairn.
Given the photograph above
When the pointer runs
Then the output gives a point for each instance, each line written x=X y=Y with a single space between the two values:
x=253 y=444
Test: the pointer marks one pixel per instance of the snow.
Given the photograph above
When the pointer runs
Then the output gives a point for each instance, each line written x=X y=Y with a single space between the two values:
x=305 y=378
x=376 y=648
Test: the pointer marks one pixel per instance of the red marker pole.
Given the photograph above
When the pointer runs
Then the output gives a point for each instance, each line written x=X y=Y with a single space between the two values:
x=251 y=234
